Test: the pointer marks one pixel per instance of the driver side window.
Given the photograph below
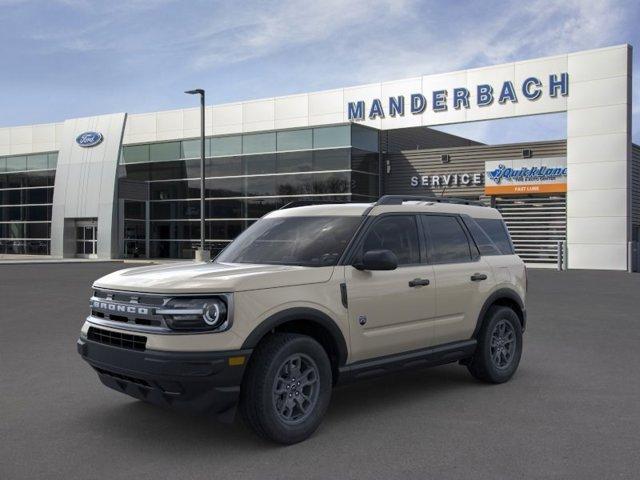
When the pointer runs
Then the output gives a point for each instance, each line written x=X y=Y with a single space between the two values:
x=398 y=233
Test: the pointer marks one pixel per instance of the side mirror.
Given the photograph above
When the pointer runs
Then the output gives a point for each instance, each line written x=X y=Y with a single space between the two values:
x=378 y=260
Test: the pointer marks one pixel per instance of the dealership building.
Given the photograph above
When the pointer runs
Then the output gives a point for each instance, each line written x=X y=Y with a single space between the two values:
x=128 y=185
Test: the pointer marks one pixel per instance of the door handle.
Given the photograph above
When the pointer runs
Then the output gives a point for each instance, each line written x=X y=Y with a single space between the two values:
x=476 y=277
x=419 y=282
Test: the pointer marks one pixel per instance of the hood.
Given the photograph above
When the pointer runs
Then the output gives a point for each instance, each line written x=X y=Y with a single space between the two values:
x=190 y=277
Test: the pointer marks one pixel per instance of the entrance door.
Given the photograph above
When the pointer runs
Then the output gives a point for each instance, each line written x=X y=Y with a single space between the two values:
x=389 y=311
x=87 y=238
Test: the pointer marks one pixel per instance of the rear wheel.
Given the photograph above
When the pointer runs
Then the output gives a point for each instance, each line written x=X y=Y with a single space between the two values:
x=499 y=346
x=287 y=388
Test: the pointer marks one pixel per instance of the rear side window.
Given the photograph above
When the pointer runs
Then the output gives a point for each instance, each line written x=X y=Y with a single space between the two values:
x=497 y=232
x=397 y=233
x=448 y=242
x=484 y=243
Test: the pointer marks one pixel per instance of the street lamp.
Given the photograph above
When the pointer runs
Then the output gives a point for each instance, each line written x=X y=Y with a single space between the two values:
x=202 y=255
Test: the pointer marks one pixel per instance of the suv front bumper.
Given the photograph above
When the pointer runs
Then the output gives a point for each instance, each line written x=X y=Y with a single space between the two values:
x=199 y=382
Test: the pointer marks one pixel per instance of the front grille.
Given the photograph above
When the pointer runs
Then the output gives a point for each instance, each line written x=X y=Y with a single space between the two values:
x=117 y=339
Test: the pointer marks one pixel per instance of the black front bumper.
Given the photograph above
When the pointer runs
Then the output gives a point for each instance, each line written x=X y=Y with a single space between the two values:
x=199 y=382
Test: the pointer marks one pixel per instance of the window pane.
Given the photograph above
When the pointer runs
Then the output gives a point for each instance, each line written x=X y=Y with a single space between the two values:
x=138 y=172
x=175 y=230
x=224 y=208
x=16 y=164
x=447 y=241
x=364 y=161
x=191 y=148
x=259 y=207
x=332 y=159
x=38 y=179
x=223 y=146
x=295 y=140
x=256 y=164
x=134 y=209
x=53 y=160
x=261 y=186
x=228 y=187
x=364 y=184
x=497 y=232
x=224 y=229
x=223 y=166
x=174 y=210
x=134 y=230
x=38 y=162
x=168 y=170
x=295 y=162
x=161 y=152
x=135 y=154
x=3 y=164
x=398 y=234
x=259 y=143
x=326 y=137
x=364 y=138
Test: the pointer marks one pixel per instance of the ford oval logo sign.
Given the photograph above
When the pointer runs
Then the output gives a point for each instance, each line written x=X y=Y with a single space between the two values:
x=89 y=139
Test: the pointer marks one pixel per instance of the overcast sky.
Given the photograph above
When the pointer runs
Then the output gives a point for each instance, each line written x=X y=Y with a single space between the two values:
x=71 y=58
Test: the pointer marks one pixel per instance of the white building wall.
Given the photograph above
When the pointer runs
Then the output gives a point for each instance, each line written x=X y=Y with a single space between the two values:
x=599 y=158
x=85 y=185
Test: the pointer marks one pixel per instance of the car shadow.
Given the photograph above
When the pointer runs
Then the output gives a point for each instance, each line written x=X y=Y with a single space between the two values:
x=162 y=428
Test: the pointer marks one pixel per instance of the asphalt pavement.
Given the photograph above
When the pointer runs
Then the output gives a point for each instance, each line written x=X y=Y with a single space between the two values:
x=571 y=411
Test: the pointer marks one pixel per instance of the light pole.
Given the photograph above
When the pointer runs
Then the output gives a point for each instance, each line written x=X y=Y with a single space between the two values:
x=202 y=255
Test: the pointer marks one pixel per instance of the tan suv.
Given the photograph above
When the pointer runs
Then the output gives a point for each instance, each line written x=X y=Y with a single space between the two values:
x=309 y=297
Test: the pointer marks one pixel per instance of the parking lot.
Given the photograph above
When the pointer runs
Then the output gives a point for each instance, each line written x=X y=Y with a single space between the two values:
x=572 y=411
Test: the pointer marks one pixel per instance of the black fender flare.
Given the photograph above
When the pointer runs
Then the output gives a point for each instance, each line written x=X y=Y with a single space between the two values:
x=502 y=293
x=300 y=313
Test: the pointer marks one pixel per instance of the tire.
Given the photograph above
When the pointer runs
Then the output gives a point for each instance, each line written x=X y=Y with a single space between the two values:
x=275 y=404
x=499 y=346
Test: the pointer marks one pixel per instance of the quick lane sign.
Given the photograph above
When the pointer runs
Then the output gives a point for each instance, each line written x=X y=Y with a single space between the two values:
x=543 y=175
x=482 y=95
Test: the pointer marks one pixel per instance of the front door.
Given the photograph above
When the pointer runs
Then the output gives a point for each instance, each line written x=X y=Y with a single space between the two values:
x=388 y=311
x=87 y=238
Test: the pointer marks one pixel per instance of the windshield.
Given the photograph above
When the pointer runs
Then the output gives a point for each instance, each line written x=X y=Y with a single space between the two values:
x=304 y=241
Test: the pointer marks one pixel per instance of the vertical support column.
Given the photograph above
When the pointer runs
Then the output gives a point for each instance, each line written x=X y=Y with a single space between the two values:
x=599 y=158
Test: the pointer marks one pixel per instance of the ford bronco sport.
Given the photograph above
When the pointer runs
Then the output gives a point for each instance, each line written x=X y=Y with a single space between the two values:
x=309 y=297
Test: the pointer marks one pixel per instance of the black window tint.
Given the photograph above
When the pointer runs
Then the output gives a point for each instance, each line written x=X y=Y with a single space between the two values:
x=447 y=241
x=484 y=243
x=497 y=232
x=397 y=233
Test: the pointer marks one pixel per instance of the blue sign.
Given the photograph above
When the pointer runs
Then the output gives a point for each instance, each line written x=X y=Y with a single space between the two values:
x=89 y=139
x=483 y=95
x=524 y=174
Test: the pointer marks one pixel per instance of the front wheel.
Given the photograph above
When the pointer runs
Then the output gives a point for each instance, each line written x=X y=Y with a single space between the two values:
x=287 y=388
x=499 y=346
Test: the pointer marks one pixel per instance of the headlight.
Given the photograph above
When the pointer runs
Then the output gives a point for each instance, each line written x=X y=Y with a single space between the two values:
x=196 y=314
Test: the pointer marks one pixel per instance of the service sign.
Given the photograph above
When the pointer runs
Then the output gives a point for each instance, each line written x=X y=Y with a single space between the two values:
x=524 y=176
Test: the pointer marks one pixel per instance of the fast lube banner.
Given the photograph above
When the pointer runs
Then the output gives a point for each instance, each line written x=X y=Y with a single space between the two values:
x=524 y=176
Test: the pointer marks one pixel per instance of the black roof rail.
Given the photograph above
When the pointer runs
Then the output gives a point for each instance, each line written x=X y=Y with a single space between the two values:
x=400 y=199
x=306 y=203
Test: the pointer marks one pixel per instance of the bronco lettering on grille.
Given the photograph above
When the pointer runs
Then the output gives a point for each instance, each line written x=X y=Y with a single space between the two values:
x=120 y=308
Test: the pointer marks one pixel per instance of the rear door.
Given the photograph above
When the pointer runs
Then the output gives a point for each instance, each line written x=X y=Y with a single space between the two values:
x=463 y=278
x=391 y=311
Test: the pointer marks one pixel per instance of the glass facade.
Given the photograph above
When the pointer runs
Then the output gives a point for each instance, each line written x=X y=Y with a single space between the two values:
x=26 y=196
x=247 y=176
